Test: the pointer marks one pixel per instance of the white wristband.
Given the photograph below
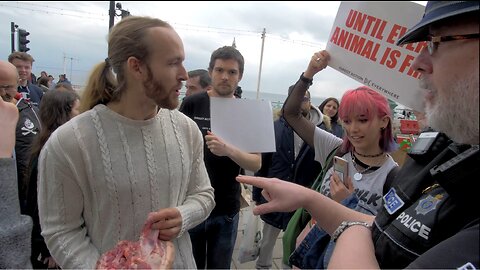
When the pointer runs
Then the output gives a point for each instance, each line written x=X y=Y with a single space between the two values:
x=347 y=224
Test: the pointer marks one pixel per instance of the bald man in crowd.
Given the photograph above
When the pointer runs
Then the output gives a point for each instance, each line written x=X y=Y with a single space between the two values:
x=15 y=229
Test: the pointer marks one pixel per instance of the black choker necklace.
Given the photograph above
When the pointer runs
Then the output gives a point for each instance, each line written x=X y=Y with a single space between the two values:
x=362 y=155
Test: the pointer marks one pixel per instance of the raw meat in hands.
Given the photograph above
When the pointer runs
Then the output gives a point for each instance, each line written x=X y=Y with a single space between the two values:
x=147 y=253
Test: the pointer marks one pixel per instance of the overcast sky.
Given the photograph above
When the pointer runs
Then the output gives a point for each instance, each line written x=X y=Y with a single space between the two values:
x=72 y=36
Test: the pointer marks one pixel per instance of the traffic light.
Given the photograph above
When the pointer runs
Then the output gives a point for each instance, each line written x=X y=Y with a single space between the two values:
x=22 y=40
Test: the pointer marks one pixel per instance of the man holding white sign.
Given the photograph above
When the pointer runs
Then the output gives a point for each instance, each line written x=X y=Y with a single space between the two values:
x=214 y=239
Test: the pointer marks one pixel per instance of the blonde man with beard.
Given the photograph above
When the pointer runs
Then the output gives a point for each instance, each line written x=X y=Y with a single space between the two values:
x=130 y=159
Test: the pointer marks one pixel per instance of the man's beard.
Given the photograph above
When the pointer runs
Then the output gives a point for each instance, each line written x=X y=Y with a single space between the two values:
x=456 y=113
x=225 y=91
x=154 y=89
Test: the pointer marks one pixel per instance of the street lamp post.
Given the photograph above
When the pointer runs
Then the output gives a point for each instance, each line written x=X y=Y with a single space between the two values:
x=112 y=12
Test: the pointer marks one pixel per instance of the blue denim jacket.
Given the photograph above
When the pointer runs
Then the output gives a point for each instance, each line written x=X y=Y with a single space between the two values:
x=315 y=250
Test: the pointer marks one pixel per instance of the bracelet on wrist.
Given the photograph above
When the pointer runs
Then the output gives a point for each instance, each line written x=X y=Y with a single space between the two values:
x=306 y=80
x=347 y=224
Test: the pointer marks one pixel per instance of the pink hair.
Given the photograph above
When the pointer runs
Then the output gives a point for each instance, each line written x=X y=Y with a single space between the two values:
x=367 y=102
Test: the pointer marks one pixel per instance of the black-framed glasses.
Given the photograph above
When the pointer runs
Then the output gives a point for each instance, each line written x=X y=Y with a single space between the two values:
x=432 y=41
x=306 y=99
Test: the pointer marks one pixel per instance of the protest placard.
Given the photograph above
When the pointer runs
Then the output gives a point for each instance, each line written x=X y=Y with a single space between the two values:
x=362 y=46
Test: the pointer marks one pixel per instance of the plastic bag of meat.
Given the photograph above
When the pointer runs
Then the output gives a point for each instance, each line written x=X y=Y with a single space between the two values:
x=147 y=253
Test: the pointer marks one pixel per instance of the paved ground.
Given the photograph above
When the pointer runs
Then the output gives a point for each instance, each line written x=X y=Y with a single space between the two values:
x=277 y=251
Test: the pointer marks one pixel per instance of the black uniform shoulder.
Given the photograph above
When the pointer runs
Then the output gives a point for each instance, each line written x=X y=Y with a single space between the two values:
x=460 y=251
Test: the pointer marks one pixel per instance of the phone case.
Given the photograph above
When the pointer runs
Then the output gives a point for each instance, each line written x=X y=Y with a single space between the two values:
x=340 y=166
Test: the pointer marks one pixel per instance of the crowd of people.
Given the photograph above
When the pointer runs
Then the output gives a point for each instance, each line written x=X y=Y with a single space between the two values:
x=30 y=85
x=79 y=174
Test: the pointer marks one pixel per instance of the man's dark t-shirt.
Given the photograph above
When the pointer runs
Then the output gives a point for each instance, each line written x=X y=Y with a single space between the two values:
x=221 y=170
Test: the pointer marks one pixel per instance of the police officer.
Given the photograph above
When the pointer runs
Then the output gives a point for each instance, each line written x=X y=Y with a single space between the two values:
x=429 y=218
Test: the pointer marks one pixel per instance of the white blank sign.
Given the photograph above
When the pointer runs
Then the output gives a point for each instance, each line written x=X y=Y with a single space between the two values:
x=245 y=123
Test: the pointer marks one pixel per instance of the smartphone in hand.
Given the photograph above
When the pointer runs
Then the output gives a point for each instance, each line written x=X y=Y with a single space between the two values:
x=340 y=166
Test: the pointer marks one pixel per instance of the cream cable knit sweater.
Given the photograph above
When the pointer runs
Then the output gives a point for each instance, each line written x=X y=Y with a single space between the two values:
x=100 y=174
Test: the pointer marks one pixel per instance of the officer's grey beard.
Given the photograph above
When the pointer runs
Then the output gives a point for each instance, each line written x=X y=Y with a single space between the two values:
x=456 y=113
